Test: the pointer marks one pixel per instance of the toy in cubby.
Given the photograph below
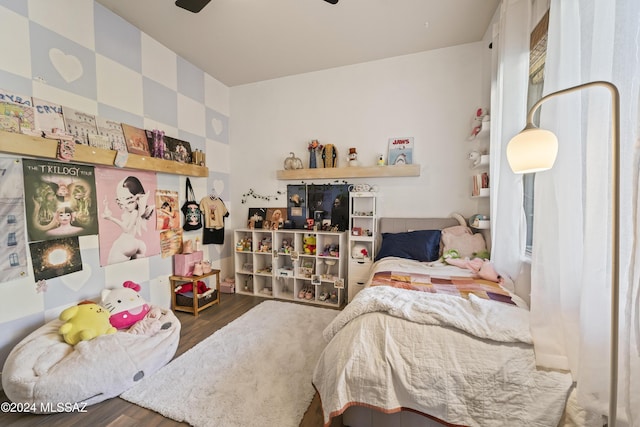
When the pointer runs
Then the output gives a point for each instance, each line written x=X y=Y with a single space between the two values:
x=244 y=244
x=332 y=250
x=265 y=245
x=286 y=246
x=309 y=245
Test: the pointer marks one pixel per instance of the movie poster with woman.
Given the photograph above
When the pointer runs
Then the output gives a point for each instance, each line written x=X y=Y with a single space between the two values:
x=126 y=214
x=60 y=200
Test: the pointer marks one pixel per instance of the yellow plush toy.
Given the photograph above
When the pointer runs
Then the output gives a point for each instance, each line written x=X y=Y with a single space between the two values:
x=309 y=245
x=84 y=322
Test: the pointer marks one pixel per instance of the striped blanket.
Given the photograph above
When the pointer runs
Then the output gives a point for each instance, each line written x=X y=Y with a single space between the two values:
x=450 y=285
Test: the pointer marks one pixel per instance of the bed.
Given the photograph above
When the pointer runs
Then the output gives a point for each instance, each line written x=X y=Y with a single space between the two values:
x=430 y=344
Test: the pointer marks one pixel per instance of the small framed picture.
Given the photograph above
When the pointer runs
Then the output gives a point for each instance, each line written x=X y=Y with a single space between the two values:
x=356 y=231
x=315 y=280
x=339 y=284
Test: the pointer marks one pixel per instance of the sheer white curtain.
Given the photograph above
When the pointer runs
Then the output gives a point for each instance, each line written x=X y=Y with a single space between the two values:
x=508 y=115
x=570 y=282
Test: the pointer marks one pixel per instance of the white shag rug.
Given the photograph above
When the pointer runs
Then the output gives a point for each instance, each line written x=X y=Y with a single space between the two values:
x=255 y=371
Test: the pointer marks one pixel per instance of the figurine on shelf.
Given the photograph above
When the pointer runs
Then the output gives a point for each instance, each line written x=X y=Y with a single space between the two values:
x=314 y=147
x=353 y=157
x=292 y=162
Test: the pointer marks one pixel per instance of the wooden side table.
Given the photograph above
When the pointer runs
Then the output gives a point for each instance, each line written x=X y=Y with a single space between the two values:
x=194 y=308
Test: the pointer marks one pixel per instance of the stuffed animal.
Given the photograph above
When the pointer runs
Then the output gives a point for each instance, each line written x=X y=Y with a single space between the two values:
x=479 y=266
x=202 y=288
x=84 y=322
x=125 y=305
x=309 y=245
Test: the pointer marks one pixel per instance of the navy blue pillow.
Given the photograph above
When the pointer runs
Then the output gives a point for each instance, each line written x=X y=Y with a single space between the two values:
x=420 y=245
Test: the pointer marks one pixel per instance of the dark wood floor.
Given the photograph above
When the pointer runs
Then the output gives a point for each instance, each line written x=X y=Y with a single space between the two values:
x=117 y=412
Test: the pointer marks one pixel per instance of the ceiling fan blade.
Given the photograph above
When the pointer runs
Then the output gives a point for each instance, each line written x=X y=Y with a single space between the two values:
x=331 y=1
x=194 y=6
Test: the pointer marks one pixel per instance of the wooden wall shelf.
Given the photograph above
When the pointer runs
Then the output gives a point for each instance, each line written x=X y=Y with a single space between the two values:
x=34 y=146
x=350 y=172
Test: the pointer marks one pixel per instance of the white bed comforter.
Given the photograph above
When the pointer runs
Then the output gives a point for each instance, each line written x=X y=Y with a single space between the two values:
x=467 y=362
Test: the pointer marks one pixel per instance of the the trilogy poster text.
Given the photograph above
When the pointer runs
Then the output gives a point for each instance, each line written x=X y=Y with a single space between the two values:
x=60 y=200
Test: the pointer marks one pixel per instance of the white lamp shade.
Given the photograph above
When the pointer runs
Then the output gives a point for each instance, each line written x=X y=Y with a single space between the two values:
x=532 y=150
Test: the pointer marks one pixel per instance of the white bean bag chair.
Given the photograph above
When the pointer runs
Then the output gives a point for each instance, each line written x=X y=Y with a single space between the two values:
x=44 y=371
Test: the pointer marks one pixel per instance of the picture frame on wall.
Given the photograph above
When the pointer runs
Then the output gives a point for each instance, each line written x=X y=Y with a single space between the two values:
x=276 y=217
x=297 y=205
x=256 y=218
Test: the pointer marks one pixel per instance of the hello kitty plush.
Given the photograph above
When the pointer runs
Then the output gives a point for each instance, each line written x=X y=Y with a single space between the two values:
x=125 y=305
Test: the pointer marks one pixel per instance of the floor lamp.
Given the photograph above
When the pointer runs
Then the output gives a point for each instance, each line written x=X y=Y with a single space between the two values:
x=535 y=150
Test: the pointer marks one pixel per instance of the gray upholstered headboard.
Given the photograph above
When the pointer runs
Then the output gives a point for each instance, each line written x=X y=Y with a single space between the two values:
x=400 y=225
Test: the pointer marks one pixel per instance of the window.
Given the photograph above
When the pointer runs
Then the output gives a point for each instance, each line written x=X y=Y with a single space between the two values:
x=537 y=57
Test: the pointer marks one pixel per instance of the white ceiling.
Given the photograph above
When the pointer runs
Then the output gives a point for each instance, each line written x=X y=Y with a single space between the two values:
x=245 y=41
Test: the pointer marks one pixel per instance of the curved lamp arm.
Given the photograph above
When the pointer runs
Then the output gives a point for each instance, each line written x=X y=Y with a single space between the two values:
x=534 y=150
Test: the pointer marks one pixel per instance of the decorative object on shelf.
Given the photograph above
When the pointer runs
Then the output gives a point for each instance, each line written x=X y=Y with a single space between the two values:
x=198 y=157
x=353 y=157
x=329 y=156
x=292 y=162
x=475 y=156
x=159 y=147
x=480 y=121
x=380 y=160
x=136 y=140
x=362 y=188
x=66 y=149
x=400 y=151
x=479 y=221
x=314 y=147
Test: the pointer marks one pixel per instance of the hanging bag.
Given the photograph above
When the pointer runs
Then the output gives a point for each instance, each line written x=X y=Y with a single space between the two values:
x=191 y=210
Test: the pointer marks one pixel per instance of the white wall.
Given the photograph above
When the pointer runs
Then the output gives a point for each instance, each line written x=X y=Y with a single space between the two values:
x=430 y=96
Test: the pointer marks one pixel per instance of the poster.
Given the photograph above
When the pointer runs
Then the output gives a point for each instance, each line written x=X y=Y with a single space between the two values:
x=171 y=242
x=54 y=258
x=13 y=239
x=329 y=203
x=400 y=151
x=126 y=215
x=256 y=217
x=60 y=199
x=168 y=212
x=297 y=205
x=275 y=218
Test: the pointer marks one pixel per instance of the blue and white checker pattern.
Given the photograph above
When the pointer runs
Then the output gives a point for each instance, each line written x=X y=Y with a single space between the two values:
x=81 y=55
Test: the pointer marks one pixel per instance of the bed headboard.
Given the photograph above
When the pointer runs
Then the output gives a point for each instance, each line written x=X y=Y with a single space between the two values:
x=400 y=225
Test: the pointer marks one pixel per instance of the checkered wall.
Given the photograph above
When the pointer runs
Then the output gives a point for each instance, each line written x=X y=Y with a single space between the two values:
x=81 y=55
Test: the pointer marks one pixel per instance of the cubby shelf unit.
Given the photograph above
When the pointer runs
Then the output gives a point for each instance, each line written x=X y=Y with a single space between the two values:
x=273 y=264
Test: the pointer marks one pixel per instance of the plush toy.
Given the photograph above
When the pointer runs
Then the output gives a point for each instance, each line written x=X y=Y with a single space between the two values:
x=125 y=305
x=309 y=245
x=84 y=322
x=202 y=288
x=479 y=266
